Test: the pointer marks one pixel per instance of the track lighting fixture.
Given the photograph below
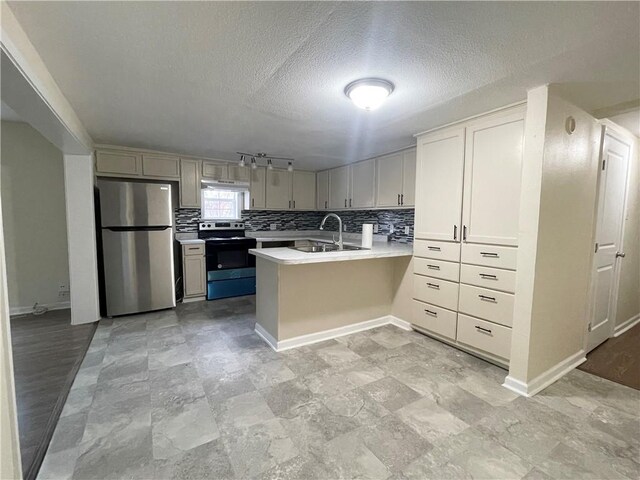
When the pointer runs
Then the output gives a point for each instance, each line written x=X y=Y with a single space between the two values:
x=255 y=157
x=242 y=164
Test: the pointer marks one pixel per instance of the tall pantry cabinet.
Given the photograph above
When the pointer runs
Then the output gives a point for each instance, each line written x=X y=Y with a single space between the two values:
x=466 y=231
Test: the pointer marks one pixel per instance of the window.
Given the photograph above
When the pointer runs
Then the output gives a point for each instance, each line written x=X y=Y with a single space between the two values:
x=221 y=204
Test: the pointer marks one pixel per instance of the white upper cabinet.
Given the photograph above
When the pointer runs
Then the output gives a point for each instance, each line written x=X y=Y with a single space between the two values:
x=493 y=165
x=396 y=179
x=363 y=184
x=238 y=173
x=304 y=190
x=257 y=187
x=408 y=178
x=439 y=179
x=322 y=189
x=389 y=175
x=339 y=187
x=118 y=162
x=189 y=183
x=278 y=191
x=160 y=166
x=215 y=170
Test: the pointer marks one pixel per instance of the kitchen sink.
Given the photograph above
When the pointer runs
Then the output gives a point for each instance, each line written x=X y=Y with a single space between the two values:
x=311 y=246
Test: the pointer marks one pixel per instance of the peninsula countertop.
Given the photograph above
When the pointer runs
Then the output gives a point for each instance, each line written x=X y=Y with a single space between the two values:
x=289 y=256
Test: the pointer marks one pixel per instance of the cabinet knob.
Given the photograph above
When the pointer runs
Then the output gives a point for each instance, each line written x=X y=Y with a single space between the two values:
x=621 y=254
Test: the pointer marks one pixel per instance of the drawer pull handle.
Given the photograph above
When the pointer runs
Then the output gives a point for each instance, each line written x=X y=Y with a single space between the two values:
x=431 y=312
x=486 y=331
x=436 y=249
x=487 y=299
x=194 y=248
x=486 y=275
x=490 y=254
x=433 y=267
x=433 y=285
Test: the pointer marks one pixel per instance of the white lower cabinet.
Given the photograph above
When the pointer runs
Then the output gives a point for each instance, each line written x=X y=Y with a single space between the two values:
x=437 y=268
x=482 y=335
x=194 y=271
x=493 y=278
x=435 y=319
x=436 y=291
x=491 y=305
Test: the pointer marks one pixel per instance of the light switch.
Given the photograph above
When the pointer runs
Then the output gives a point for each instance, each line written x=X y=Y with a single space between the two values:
x=406 y=230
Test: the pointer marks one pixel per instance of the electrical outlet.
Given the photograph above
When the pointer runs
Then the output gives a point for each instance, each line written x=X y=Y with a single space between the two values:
x=273 y=226
x=376 y=228
x=406 y=230
x=391 y=229
x=344 y=228
x=62 y=287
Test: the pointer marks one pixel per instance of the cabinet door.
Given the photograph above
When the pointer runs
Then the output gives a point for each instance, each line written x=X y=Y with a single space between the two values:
x=322 y=188
x=339 y=187
x=258 y=187
x=194 y=275
x=304 y=190
x=238 y=173
x=189 y=183
x=278 y=191
x=215 y=170
x=408 y=178
x=493 y=165
x=439 y=170
x=363 y=184
x=115 y=162
x=160 y=166
x=389 y=180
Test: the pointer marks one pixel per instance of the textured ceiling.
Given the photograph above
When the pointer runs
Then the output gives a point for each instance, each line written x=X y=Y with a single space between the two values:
x=214 y=78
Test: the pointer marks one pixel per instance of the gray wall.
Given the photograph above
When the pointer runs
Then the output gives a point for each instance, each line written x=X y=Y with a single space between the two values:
x=33 y=209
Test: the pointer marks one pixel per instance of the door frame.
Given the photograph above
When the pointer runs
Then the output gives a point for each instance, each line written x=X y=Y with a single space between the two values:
x=613 y=130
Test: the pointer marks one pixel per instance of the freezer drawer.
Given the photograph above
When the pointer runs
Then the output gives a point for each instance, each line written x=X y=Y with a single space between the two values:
x=138 y=270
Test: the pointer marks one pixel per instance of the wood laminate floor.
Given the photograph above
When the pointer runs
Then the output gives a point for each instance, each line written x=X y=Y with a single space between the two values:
x=617 y=359
x=47 y=351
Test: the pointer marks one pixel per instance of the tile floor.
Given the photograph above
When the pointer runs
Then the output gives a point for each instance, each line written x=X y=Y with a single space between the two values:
x=194 y=393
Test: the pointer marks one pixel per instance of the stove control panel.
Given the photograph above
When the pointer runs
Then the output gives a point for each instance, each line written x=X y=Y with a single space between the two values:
x=221 y=226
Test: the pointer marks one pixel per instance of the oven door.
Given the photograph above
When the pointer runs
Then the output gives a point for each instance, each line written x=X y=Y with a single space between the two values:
x=231 y=254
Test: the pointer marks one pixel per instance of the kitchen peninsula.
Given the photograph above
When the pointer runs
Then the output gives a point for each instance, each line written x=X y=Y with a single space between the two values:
x=305 y=298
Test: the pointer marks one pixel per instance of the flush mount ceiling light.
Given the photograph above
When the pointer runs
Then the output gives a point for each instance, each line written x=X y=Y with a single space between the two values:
x=369 y=93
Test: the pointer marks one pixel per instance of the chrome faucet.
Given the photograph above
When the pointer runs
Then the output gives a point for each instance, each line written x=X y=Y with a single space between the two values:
x=340 y=244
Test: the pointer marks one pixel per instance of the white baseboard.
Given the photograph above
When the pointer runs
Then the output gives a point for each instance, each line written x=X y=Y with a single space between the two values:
x=48 y=306
x=628 y=325
x=324 y=335
x=193 y=299
x=545 y=379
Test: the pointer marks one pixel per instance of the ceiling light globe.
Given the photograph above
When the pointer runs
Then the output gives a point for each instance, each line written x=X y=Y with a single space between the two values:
x=369 y=93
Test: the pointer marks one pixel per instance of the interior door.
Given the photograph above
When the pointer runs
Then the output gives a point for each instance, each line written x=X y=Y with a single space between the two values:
x=492 y=178
x=439 y=171
x=611 y=198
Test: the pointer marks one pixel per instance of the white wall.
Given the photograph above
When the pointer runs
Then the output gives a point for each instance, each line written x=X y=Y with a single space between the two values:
x=79 y=183
x=557 y=219
x=33 y=208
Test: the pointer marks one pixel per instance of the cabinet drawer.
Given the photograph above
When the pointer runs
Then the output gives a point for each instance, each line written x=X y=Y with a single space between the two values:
x=489 y=255
x=486 y=336
x=438 y=292
x=435 y=319
x=437 y=250
x=488 y=304
x=437 y=268
x=193 y=249
x=488 y=277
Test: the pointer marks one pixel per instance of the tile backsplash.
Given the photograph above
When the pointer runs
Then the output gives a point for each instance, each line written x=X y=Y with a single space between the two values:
x=260 y=220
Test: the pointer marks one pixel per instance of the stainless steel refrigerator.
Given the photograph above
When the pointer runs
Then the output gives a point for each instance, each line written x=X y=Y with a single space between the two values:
x=137 y=246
